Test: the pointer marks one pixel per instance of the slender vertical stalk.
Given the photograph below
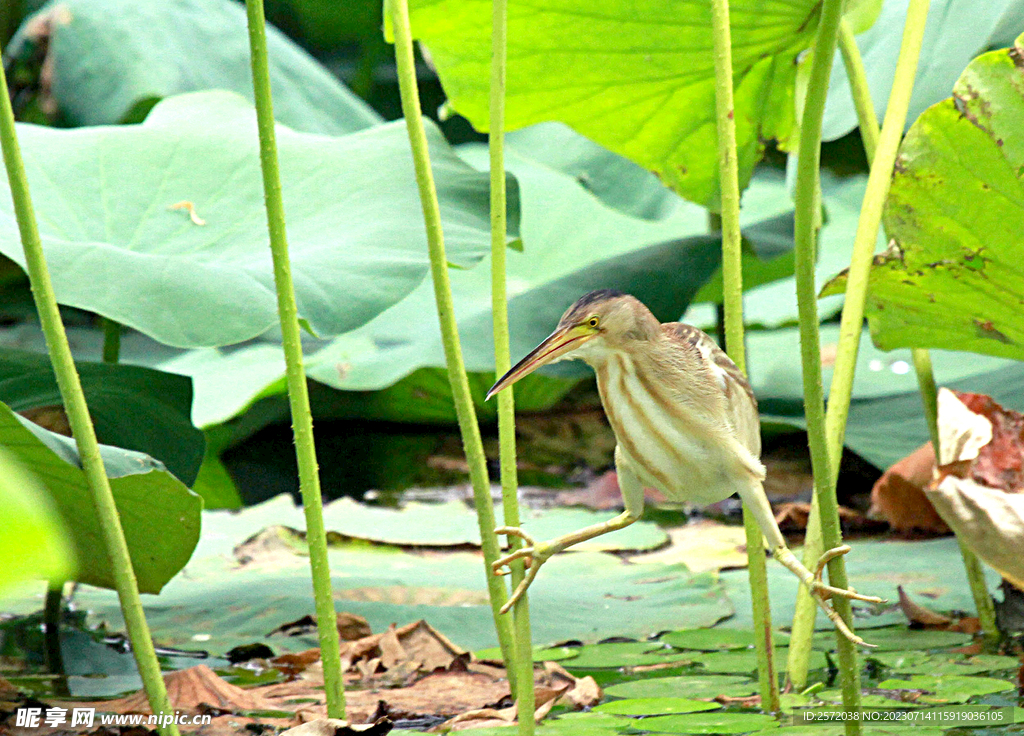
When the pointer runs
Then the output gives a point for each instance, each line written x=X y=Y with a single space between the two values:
x=78 y=417
x=298 y=393
x=732 y=280
x=398 y=12
x=111 y=341
x=503 y=361
x=972 y=565
x=852 y=323
x=53 y=610
x=809 y=153
x=860 y=91
x=881 y=149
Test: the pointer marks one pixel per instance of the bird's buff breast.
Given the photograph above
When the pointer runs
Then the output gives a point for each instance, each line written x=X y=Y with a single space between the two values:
x=671 y=448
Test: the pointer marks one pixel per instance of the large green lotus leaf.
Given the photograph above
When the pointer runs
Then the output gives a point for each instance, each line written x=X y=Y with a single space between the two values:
x=131 y=407
x=355 y=225
x=933 y=569
x=613 y=179
x=745 y=662
x=773 y=303
x=901 y=639
x=956 y=32
x=160 y=516
x=711 y=723
x=454 y=524
x=948 y=688
x=34 y=543
x=886 y=420
x=643 y=75
x=616 y=654
x=111 y=60
x=655 y=706
x=572 y=243
x=943 y=663
x=690 y=686
x=954 y=278
x=579 y=595
x=713 y=640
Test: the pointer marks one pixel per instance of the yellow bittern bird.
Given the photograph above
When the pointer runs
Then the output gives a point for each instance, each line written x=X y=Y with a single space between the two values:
x=685 y=422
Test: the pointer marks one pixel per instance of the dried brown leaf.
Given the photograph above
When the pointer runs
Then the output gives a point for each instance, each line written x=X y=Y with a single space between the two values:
x=793 y=516
x=999 y=462
x=197 y=689
x=586 y=694
x=989 y=521
x=603 y=494
x=338 y=727
x=352 y=626
x=919 y=615
x=899 y=498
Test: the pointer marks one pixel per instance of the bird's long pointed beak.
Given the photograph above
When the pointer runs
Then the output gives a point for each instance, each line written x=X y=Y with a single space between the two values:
x=557 y=344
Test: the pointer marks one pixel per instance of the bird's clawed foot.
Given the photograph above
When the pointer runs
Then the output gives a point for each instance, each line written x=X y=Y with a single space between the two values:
x=822 y=592
x=825 y=591
x=533 y=555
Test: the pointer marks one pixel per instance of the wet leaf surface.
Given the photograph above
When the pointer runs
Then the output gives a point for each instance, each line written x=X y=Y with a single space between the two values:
x=691 y=686
x=655 y=706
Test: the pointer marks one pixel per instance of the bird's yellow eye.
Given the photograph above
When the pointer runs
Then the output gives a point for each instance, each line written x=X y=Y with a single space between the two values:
x=593 y=321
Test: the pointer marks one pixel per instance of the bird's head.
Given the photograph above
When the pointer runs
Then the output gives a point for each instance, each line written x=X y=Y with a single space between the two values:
x=598 y=322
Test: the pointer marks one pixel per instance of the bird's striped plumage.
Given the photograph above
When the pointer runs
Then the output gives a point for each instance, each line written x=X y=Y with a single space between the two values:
x=686 y=424
x=685 y=419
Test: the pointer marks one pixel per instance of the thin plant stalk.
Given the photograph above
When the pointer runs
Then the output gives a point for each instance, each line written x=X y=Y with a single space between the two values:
x=111 y=341
x=524 y=694
x=398 y=13
x=78 y=417
x=972 y=565
x=298 y=393
x=732 y=279
x=809 y=153
x=881 y=149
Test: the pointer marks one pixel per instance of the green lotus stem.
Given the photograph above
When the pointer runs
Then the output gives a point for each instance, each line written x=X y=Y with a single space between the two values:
x=298 y=393
x=806 y=611
x=809 y=153
x=860 y=91
x=111 y=341
x=78 y=417
x=523 y=665
x=881 y=149
x=732 y=289
x=53 y=609
x=972 y=565
x=398 y=12
x=852 y=324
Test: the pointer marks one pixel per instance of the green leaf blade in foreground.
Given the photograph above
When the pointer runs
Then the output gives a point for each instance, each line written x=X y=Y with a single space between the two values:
x=643 y=78
x=956 y=210
x=132 y=407
x=104 y=199
x=111 y=60
x=34 y=543
x=160 y=516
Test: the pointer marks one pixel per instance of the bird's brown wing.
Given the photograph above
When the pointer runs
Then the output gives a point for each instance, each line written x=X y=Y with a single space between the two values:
x=739 y=396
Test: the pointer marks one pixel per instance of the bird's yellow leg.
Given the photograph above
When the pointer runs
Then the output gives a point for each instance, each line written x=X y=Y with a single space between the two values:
x=537 y=553
x=756 y=500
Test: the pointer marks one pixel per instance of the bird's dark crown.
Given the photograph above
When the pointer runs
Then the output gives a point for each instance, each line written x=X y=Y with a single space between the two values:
x=593 y=297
